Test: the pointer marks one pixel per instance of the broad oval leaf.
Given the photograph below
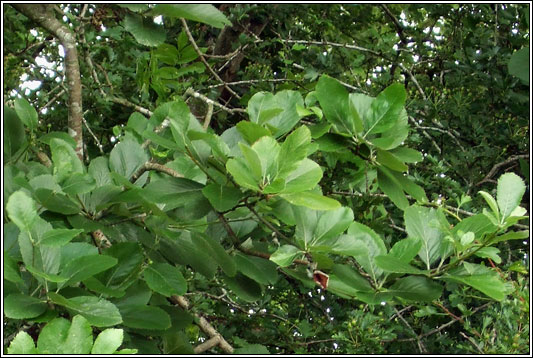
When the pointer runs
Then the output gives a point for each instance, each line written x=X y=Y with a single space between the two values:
x=510 y=190
x=334 y=101
x=416 y=288
x=311 y=200
x=21 y=210
x=26 y=113
x=86 y=266
x=222 y=198
x=60 y=336
x=22 y=344
x=165 y=279
x=19 y=306
x=99 y=312
x=145 y=317
x=385 y=110
x=145 y=31
x=205 y=13
x=285 y=255
x=108 y=341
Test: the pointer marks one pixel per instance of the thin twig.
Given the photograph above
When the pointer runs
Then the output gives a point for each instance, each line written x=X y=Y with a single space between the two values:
x=195 y=94
x=98 y=144
x=426 y=134
x=498 y=165
x=202 y=58
x=208 y=115
x=421 y=346
x=471 y=340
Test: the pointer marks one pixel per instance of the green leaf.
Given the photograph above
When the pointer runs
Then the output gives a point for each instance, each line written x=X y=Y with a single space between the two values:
x=135 y=7
x=389 y=263
x=21 y=210
x=257 y=268
x=478 y=224
x=65 y=160
x=407 y=155
x=219 y=254
x=145 y=317
x=242 y=174
x=78 y=183
x=252 y=349
x=519 y=64
x=57 y=202
x=86 y=266
x=14 y=135
x=252 y=131
x=416 y=288
x=145 y=31
x=94 y=285
x=423 y=223
x=46 y=139
x=333 y=99
x=267 y=150
x=22 y=344
x=372 y=245
x=285 y=255
x=489 y=252
x=130 y=259
x=108 y=341
x=26 y=113
x=511 y=188
x=345 y=280
x=11 y=269
x=481 y=278
x=511 y=235
x=288 y=117
x=126 y=157
x=46 y=276
x=390 y=160
x=165 y=279
x=205 y=13
x=311 y=200
x=331 y=224
x=19 y=306
x=391 y=188
x=244 y=287
x=492 y=203
x=294 y=148
x=385 y=110
x=59 y=237
x=59 y=336
x=223 y=198
x=405 y=250
x=305 y=176
x=262 y=107
x=99 y=312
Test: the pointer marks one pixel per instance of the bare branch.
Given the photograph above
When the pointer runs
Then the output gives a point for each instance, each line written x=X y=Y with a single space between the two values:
x=206 y=327
x=202 y=58
x=157 y=167
x=191 y=92
x=501 y=164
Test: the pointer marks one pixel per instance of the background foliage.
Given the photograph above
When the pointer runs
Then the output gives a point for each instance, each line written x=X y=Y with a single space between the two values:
x=230 y=152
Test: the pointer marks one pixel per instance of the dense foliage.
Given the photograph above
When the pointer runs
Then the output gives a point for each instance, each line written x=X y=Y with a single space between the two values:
x=272 y=178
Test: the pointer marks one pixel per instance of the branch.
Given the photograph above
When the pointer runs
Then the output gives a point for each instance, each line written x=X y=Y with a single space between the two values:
x=154 y=166
x=202 y=58
x=191 y=92
x=42 y=14
x=98 y=144
x=472 y=341
x=333 y=44
x=445 y=132
x=426 y=134
x=399 y=27
x=496 y=166
x=206 y=327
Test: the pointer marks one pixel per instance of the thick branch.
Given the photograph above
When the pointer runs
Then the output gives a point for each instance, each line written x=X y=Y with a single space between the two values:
x=206 y=327
x=43 y=15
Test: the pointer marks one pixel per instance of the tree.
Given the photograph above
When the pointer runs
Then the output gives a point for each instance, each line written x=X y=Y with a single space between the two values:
x=274 y=178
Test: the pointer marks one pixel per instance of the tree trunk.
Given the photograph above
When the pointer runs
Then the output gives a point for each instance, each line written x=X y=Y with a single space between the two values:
x=43 y=15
